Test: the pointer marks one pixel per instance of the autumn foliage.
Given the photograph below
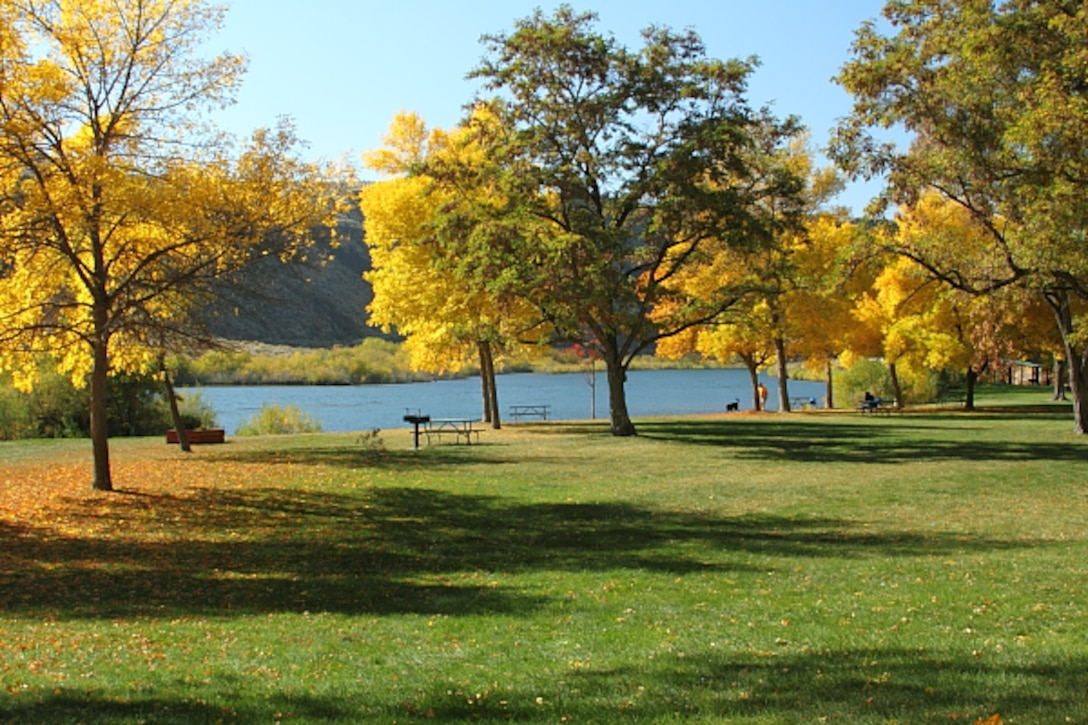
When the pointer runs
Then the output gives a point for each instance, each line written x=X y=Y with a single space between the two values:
x=120 y=209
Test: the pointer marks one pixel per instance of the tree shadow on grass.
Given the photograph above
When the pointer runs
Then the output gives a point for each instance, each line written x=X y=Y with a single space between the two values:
x=883 y=684
x=871 y=685
x=87 y=708
x=845 y=442
x=355 y=458
x=788 y=684
x=390 y=551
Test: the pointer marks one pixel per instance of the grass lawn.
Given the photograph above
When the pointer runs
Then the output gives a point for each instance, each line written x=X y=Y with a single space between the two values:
x=929 y=567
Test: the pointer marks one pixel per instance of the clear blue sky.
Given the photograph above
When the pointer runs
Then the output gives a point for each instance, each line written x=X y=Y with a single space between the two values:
x=342 y=68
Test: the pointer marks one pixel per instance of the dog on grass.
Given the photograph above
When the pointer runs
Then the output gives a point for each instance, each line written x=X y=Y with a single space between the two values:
x=733 y=407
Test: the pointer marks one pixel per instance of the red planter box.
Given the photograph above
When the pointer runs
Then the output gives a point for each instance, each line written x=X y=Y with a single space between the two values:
x=205 y=435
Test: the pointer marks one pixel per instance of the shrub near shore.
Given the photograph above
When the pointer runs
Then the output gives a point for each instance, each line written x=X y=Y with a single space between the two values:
x=56 y=408
x=372 y=361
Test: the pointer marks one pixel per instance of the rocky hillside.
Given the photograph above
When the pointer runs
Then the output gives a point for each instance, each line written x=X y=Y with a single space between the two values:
x=302 y=305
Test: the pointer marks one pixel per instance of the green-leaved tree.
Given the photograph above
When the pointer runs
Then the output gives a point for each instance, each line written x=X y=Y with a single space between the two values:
x=619 y=168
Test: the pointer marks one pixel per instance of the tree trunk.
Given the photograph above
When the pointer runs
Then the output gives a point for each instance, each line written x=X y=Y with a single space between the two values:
x=783 y=376
x=175 y=414
x=830 y=386
x=1060 y=378
x=897 y=389
x=493 y=389
x=616 y=372
x=490 y=388
x=485 y=397
x=753 y=369
x=99 y=434
x=969 y=392
x=1078 y=384
x=753 y=375
x=1075 y=360
x=485 y=382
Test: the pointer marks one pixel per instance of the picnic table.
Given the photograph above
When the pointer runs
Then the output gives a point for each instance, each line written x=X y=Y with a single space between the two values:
x=517 y=412
x=801 y=402
x=460 y=429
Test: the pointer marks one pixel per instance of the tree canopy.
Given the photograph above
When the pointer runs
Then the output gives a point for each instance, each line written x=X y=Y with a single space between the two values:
x=632 y=165
x=993 y=96
x=448 y=317
x=118 y=207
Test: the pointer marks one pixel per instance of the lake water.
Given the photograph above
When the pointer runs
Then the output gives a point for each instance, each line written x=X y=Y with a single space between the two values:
x=362 y=407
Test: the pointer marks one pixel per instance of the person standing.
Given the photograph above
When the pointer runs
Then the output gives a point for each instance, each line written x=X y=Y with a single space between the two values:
x=762 y=397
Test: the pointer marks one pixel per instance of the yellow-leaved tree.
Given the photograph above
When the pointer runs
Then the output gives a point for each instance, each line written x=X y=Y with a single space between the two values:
x=448 y=319
x=779 y=281
x=913 y=320
x=119 y=210
x=742 y=332
x=943 y=327
x=819 y=307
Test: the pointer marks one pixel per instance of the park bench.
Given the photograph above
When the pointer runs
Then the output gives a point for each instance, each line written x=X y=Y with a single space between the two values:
x=517 y=412
x=876 y=406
